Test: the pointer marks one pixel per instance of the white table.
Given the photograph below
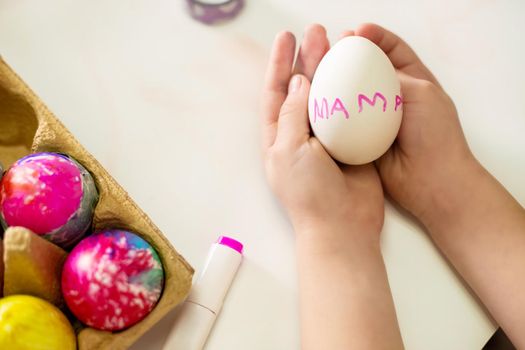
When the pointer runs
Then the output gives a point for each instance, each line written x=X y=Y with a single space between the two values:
x=169 y=107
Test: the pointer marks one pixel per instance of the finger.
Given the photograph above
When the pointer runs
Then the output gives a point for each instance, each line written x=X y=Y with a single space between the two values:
x=400 y=54
x=346 y=33
x=293 y=128
x=314 y=46
x=409 y=135
x=276 y=84
x=409 y=87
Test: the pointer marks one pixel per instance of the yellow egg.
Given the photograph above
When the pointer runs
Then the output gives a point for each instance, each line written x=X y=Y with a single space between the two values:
x=29 y=323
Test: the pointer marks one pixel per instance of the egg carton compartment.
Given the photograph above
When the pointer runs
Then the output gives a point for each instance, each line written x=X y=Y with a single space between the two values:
x=27 y=126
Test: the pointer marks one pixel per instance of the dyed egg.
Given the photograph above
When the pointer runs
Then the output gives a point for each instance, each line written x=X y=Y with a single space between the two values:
x=355 y=104
x=50 y=194
x=28 y=323
x=112 y=280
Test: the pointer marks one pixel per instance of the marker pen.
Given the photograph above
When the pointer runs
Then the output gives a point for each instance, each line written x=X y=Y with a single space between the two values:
x=196 y=316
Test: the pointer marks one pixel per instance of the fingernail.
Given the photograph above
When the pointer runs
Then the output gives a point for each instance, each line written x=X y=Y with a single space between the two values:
x=295 y=84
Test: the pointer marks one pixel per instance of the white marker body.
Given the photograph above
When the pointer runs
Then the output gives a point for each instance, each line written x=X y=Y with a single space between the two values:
x=196 y=316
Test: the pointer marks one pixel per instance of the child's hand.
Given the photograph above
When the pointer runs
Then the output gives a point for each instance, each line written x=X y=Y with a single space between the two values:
x=337 y=213
x=430 y=171
x=430 y=150
x=314 y=189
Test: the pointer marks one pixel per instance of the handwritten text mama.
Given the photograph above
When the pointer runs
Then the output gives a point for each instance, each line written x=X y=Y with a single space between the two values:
x=324 y=109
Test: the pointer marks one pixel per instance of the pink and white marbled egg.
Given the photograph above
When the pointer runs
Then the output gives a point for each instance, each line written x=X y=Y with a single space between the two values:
x=112 y=280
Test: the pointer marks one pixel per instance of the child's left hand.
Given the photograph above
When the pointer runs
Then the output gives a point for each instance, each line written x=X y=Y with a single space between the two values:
x=336 y=210
x=318 y=193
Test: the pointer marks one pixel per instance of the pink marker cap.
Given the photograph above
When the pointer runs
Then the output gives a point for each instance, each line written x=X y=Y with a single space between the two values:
x=230 y=242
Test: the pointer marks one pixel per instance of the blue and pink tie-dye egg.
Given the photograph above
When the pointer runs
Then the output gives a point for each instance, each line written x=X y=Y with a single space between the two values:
x=112 y=280
x=50 y=194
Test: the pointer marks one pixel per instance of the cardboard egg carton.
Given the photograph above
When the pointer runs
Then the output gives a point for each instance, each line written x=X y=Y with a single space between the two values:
x=32 y=265
x=27 y=126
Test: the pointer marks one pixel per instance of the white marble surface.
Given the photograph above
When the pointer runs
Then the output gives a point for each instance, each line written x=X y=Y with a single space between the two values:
x=169 y=107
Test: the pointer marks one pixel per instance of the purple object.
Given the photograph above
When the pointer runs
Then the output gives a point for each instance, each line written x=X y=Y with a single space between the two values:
x=231 y=243
x=214 y=11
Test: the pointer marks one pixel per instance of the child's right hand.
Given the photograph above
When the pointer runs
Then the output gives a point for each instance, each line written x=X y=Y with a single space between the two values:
x=431 y=171
x=430 y=151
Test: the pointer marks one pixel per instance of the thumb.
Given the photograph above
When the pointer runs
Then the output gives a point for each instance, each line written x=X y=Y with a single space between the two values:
x=292 y=125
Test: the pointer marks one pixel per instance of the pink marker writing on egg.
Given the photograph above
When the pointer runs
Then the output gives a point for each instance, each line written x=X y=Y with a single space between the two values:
x=196 y=316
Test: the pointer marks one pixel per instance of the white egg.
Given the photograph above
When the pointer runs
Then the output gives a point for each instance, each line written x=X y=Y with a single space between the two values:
x=355 y=103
